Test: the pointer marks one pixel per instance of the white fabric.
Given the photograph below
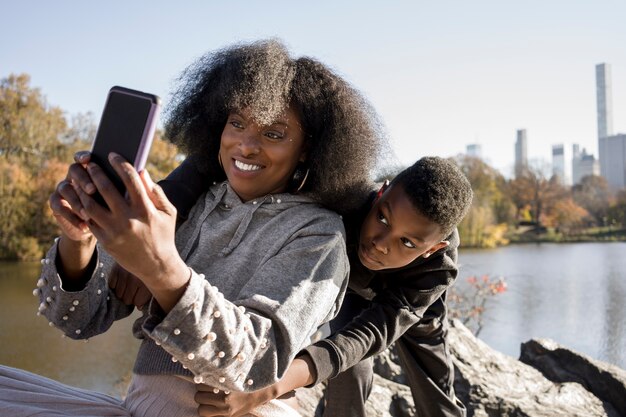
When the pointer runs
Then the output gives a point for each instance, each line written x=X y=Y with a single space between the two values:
x=24 y=394
x=145 y=399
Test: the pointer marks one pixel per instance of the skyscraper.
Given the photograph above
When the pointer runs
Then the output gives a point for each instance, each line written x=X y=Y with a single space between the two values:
x=604 y=101
x=611 y=147
x=605 y=115
x=521 y=153
x=559 y=164
x=613 y=165
x=583 y=164
x=474 y=150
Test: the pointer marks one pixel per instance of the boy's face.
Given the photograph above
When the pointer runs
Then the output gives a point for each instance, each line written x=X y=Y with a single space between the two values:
x=394 y=233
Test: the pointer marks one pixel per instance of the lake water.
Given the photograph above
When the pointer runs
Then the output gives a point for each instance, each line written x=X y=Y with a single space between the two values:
x=28 y=342
x=574 y=294
x=571 y=293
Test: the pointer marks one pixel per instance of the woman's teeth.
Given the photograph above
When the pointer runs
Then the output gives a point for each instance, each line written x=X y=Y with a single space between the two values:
x=246 y=167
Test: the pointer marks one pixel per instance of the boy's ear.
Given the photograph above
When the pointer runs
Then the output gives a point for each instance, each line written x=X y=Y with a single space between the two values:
x=435 y=248
x=382 y=189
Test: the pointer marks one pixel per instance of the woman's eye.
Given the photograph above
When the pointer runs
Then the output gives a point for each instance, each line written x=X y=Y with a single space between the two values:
x=236 y=124
x=274 y=135
x=406 y=242
x=382 y=219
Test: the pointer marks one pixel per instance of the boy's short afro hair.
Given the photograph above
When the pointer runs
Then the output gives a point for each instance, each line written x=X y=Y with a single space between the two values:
x=438 y=189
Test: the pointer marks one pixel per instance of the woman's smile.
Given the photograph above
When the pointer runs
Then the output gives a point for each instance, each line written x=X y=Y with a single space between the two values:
x=242 y=166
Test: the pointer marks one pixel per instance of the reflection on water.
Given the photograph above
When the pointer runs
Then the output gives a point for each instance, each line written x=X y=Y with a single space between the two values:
x=571 y=293
x=28 y=342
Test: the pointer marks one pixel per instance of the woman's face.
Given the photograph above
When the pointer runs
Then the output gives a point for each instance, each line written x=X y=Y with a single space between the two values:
x=260 y=160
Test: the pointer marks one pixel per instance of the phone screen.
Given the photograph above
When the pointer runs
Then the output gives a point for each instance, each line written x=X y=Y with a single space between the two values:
x=126 y=127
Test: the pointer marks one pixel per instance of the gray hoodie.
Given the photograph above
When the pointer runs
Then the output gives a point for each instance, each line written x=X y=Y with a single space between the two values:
x=265 y=275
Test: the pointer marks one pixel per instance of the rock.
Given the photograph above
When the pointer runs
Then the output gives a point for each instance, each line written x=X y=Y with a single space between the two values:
x=387 y=365
x=388 y=399
x=560 y=364
x=490 y=383
x=309 y=400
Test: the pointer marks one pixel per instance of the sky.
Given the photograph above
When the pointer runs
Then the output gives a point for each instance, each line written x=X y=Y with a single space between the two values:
x=442 y=74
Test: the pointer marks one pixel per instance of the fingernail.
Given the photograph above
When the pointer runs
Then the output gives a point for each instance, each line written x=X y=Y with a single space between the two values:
x=81 y=155
x=84 y=227
x=90 y=188
x=83 y=214
x=112 y=156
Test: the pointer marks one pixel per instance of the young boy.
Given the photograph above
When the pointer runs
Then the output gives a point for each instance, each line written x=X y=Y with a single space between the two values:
x=402 y=247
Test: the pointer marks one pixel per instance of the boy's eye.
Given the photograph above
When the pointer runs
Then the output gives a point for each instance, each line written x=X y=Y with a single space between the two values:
x=382 y=219
x=406 y=242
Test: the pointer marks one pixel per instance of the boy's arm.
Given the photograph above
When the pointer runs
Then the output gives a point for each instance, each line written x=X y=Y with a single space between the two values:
x=184 y=186
x=368 y=334
x=391 y=314
x=236 y=404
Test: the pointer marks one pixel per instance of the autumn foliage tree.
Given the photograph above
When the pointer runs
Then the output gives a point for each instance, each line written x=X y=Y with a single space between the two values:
x=594 y=195
x=30 y=130
x=617 y=211
x=535 y=190
x=37 y=144
x=492 y=210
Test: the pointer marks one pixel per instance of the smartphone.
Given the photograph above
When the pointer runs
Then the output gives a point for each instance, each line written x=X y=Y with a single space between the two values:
x=126 y=127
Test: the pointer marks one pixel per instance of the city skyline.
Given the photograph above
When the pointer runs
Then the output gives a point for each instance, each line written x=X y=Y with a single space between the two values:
x=439 y=79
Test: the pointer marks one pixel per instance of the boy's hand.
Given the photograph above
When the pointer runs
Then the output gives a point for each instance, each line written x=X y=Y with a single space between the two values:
x=128 y=287
x=234 y=404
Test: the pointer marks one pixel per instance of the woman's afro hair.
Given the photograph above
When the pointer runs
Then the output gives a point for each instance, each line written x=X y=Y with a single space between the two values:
x=344 y=136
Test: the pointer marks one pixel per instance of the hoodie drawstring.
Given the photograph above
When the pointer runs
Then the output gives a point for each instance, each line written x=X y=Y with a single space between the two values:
x=243 y=226
x=205 y=213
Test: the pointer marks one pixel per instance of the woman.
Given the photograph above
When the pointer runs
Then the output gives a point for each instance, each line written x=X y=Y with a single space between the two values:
x=242 y=285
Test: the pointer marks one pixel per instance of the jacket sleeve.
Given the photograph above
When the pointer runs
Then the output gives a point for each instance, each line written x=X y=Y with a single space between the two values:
x=79 y=314
x=392 y=312
x=184 y=186
x=249 y=343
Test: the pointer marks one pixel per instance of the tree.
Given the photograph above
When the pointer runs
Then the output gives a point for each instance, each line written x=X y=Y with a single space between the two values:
x=594 y=195
x=15 y=206
x=163 y=157
x=470 y=304
x=532 y=188
x=29 y=128
x=492 y=210
x=568 y=216
x=617 y=211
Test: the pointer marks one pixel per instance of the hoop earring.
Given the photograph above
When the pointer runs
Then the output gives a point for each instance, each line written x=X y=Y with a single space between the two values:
x=296 y=182
x=306 y=175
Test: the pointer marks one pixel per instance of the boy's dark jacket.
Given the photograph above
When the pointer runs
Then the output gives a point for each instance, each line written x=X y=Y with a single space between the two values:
x=407 y=303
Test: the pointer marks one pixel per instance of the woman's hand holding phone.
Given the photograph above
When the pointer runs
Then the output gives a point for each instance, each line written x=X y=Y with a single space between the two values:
x=137 y=231
x=65 y=204
x=77 y=243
